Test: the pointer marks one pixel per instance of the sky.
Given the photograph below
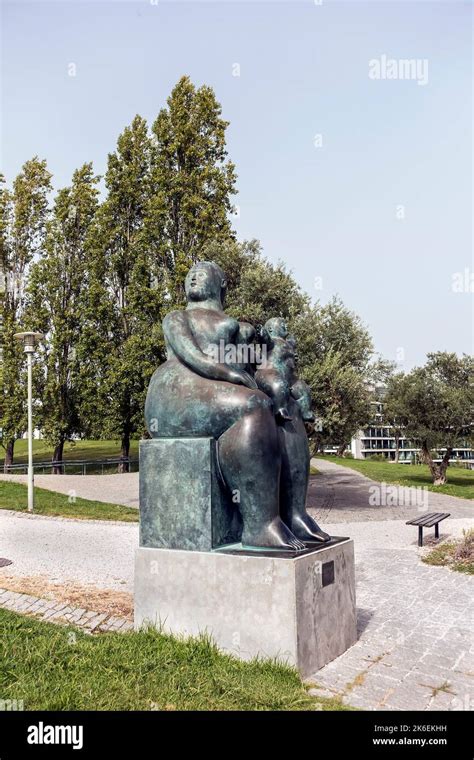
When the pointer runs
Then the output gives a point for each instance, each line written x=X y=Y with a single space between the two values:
x=353 y=170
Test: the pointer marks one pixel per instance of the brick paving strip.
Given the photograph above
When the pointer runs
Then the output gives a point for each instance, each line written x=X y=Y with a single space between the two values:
x=52 y=611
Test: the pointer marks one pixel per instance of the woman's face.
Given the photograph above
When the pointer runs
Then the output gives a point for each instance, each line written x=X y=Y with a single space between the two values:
x=202 y=283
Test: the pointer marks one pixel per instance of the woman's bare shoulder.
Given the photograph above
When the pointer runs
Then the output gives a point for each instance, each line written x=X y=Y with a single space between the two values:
x=175 y=317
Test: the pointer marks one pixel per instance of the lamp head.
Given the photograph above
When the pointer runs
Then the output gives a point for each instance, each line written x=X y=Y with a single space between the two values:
x=29 y=340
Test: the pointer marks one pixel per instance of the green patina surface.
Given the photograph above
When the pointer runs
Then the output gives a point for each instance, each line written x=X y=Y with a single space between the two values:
x=182 y=502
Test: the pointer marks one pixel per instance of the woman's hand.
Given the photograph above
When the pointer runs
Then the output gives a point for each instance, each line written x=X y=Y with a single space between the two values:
x=240 y=377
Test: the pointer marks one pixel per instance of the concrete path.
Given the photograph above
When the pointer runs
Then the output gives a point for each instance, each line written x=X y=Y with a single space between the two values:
x=63 y=550
x=415 y=622
x=114 y=489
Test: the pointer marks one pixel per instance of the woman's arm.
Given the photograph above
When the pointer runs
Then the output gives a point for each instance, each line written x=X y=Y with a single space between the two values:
x=180 y=338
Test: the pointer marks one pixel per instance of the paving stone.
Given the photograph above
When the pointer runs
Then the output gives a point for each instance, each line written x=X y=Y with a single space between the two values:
x=89 y=614
x=94 y=622
x=321 y=692
x=60 y=606
x=77 y=614
x=48 y=605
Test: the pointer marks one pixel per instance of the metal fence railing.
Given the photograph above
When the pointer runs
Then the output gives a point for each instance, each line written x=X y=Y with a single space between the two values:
x=75 y=466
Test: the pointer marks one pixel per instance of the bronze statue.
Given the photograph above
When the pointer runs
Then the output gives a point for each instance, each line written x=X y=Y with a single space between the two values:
x=197 y=393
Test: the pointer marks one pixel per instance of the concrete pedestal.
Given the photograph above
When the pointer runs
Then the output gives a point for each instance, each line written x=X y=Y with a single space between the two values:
x=298 y=608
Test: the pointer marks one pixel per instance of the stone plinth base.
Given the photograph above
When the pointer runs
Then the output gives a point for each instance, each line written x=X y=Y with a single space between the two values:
x=298 y=608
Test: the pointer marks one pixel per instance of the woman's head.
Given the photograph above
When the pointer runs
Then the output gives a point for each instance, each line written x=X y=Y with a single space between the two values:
x=205 y=281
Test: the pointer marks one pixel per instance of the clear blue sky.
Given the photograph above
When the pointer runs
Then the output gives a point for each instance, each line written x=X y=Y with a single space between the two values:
x=328 y=211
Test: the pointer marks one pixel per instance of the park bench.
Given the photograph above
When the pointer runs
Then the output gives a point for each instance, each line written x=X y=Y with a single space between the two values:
x=427 y=521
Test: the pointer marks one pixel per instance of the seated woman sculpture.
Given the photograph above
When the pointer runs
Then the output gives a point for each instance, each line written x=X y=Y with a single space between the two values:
x=192 y=394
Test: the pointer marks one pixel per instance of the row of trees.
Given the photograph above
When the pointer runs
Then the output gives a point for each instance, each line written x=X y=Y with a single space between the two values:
x=97 y=275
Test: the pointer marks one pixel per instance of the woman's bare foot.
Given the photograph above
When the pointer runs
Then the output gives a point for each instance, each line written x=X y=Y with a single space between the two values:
x=275 y=535
x=307 y=529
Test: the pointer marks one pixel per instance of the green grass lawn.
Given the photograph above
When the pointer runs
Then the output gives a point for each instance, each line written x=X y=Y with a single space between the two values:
x=14 y=496
x=53 y=667
x=76 y=450
x=460 y=481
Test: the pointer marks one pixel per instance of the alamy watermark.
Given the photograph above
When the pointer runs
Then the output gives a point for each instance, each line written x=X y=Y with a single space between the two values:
x=11 y=705
x=411 y=69
x=240 y=353
x=462 y=282
x=398 y=496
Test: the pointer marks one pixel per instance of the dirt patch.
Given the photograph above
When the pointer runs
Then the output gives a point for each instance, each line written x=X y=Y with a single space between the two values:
x=117 y=603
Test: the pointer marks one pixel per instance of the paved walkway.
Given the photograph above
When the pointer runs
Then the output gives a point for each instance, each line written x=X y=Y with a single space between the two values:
x=62 y=550
x=339 y=494
x=415 y=650
x=415 y=622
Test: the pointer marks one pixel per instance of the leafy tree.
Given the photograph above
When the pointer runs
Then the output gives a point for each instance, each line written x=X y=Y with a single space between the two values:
x=192 y=181
x=23 y=217
x=121 y=342
x=335 y=354
x=436 y=405
x=393 y=408
x=334 y=327
x=54 y=293
x=341 y=400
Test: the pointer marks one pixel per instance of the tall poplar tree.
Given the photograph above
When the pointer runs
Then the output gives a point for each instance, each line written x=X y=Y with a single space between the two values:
x=23 y=214
x=192 y=180
x=53 y=307
x=121 y=342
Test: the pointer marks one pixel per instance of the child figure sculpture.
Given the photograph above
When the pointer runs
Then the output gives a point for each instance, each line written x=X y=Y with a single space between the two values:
x=277 y=374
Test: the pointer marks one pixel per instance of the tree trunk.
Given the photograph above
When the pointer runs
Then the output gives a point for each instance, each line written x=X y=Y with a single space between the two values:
x=397 y=449
x=124 y=465
x=438 y=471
x=442 y=467
x=58 y=457
x=8 y=454
x=341 y=450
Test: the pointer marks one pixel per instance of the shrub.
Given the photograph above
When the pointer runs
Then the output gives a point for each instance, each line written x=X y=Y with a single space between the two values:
x=465 y=549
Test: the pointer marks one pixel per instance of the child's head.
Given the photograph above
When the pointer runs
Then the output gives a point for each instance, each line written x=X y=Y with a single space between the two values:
x=275 y=328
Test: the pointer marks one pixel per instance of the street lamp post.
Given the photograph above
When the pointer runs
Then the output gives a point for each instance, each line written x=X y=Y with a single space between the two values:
x=30 y=340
